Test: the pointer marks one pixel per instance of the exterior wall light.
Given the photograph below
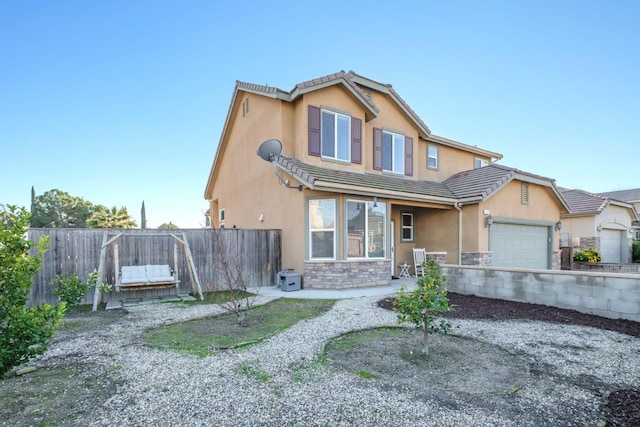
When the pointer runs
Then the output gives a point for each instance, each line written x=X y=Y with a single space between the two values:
x=558 y=226
x=488 y=221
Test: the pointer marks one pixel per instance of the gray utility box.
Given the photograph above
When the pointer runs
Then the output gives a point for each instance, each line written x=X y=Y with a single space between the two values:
x=289 y=281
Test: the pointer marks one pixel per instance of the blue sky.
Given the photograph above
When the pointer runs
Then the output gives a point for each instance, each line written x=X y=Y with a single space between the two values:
x=123 y=101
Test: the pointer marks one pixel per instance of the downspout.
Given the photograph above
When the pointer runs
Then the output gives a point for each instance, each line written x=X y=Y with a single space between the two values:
x=458 y=207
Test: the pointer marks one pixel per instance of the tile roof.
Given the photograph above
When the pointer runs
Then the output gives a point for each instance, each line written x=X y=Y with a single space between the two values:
x=472 y=186
x=479 y=182
x=486 y=180
x=583 y=203
x=317 y=176
x=630 y=195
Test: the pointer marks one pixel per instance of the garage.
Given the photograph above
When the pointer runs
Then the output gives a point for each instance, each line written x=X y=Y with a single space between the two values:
x=611 y=245
x=520 y=245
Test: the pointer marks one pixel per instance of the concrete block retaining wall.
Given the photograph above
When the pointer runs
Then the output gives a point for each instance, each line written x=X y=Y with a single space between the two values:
x=612 y=295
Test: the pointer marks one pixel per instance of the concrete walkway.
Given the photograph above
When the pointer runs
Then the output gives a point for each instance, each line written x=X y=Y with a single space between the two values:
x=394 y=285
x=275 y=291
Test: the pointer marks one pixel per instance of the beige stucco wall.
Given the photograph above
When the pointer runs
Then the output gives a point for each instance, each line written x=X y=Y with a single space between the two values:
x=242 y=171
x=577 y=227
x=543 y=207
x=450 y=161
x=614 y=217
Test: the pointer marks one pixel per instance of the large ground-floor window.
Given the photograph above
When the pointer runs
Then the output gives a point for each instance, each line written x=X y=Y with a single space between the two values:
x=366 y=229
x=322 y=228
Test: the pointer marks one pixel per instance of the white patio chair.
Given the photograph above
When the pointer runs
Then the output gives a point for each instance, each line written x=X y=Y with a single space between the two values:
x=419 y=257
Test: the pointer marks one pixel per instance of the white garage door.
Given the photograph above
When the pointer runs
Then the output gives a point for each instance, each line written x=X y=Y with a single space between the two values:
x=610 y=245
x=519 y=246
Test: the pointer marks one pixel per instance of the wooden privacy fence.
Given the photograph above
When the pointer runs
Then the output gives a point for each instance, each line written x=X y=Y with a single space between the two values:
x=254 y=252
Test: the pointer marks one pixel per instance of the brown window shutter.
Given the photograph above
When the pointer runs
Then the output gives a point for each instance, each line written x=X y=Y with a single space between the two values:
x=408 y=156
x=377 y=149
x=356 y=140
x=314 y=131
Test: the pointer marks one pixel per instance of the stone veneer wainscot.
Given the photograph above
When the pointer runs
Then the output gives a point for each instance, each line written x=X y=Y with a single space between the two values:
x=346 y=274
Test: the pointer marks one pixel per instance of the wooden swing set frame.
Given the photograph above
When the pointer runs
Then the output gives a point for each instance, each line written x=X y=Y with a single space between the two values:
x=182 y=240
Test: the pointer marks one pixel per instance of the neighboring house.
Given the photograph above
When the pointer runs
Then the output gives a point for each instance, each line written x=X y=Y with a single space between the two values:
x=600 y=222
x=365 y=182
x=632 y=196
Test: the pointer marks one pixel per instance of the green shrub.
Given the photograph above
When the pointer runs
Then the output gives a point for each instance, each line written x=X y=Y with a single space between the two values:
x=69 y=288
x=589 y=255
x=24 y=333
x=636 y=251
x=422 y=305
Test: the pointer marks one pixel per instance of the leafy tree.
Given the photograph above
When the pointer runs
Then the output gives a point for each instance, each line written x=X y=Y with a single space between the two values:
x=168 y=226
x=425 y=302
x=24 y=333
x=111 y=218
x=58 y=209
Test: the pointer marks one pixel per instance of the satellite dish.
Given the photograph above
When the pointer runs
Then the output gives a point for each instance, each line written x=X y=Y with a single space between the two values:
x=270 y=149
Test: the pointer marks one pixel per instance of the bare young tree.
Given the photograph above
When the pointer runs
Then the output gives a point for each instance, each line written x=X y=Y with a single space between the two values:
x=234 y=280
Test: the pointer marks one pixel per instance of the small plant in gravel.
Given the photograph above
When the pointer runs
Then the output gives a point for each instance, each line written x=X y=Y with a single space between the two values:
x=24 y=333
x=422 y=305
x=235 y=284
x=69 y=288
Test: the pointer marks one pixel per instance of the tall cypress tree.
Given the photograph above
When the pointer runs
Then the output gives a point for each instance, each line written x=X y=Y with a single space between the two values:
x=143 y=217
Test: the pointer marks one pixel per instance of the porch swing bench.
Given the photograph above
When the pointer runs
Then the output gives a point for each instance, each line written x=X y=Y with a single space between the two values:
x=141 y=277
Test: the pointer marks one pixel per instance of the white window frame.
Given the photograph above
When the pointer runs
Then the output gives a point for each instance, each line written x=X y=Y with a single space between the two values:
x=406 y=227
x=367 y=233
x=479 y=163
x=435 y=157
x=336 y=135
x=325 y=229
x=221 y=218
x=397 y=152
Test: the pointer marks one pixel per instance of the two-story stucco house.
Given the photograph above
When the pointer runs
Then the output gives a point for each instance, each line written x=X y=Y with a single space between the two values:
x=360 y=181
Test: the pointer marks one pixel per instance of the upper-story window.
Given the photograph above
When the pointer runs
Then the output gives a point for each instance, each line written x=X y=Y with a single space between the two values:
x=392 y=152
x=336 y=135
x=479 y=163
x=432 y=157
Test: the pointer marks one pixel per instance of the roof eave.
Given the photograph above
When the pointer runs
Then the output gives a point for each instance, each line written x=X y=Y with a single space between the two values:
x=371 y=112
x=462 y=146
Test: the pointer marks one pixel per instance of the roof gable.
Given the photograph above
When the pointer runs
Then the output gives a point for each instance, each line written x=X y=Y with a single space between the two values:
x=485 y=181
x=583 y=203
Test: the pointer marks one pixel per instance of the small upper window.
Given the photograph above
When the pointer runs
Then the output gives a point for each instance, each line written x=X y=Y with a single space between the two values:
x=479 y=163
x=336 y=135
x=432 y=157
x=221 y=215
x=407 y=227
x=392 y=152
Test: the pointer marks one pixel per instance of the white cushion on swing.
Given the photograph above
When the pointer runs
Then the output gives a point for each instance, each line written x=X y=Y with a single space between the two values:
x=159 y=273
x=133 y=274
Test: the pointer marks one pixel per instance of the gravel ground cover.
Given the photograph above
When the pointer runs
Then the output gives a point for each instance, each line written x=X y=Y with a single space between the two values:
x=287 y=381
